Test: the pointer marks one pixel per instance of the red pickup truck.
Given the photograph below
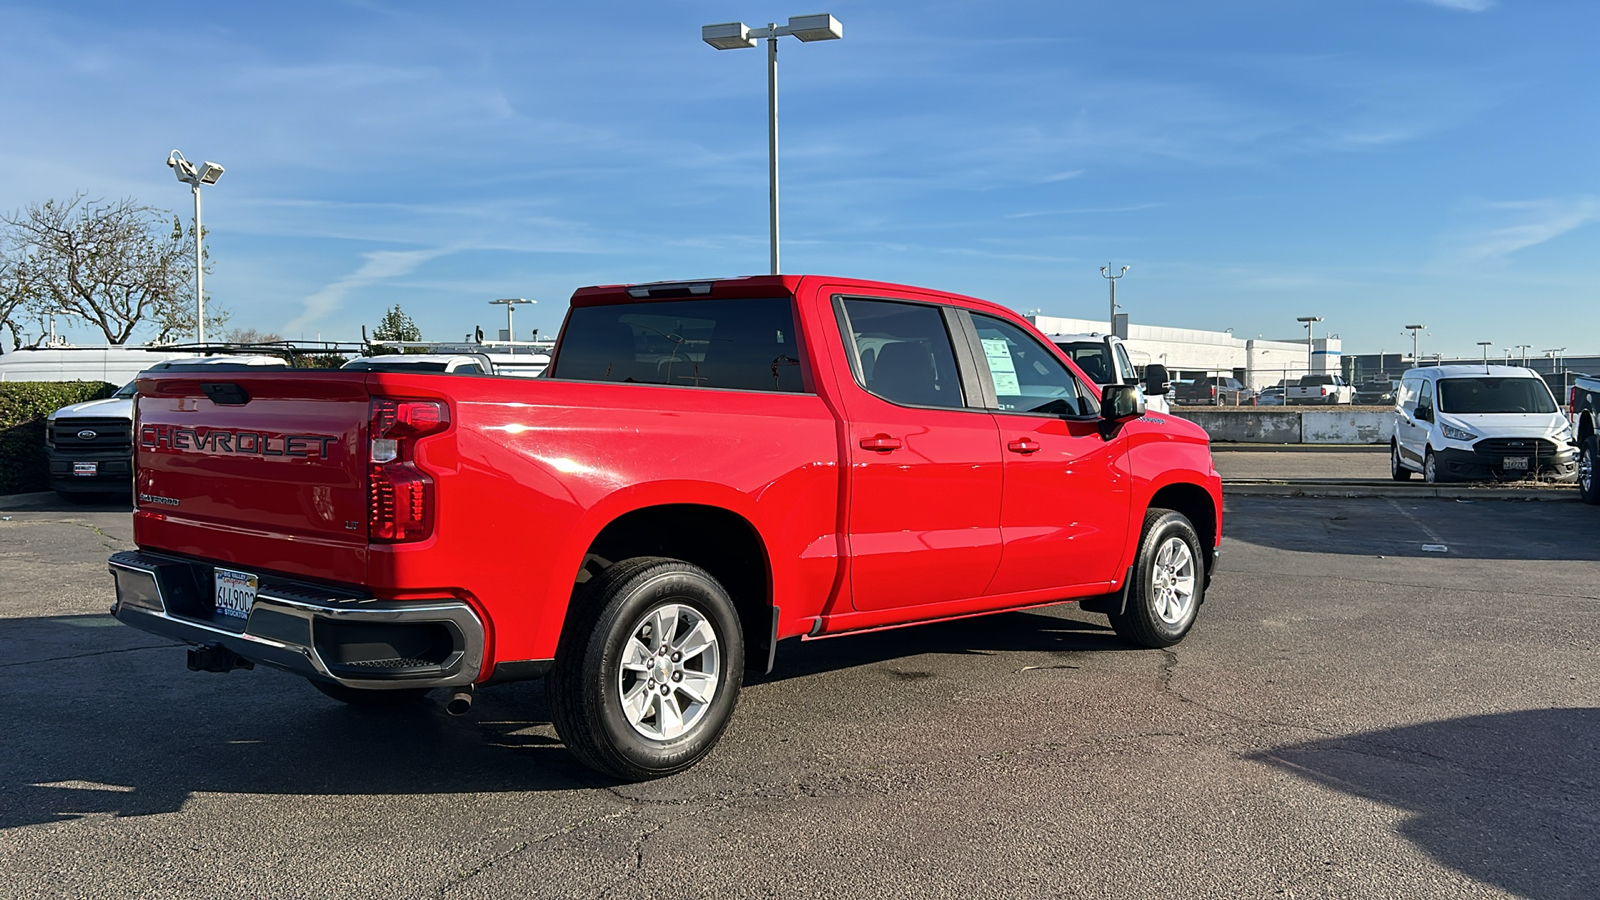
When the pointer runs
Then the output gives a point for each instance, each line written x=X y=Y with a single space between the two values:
x=707 y=468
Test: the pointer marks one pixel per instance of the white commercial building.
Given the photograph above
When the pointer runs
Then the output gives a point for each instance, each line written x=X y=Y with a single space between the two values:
x=1191 y=353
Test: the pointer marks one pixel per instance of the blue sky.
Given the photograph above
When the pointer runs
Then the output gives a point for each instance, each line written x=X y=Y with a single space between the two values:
x=1375 y=162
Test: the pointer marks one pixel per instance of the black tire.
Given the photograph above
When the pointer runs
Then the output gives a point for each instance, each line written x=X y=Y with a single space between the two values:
x=1397 y=469
x=1588 y=478
x=1430 y=468
x=1145 y=620
x=371 y=698
x=613 y=608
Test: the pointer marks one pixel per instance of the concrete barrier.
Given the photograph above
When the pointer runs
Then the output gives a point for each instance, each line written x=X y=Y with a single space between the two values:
x=1255 y=425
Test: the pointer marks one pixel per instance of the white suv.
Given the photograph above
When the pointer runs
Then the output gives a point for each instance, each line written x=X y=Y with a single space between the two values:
x=1478 y=422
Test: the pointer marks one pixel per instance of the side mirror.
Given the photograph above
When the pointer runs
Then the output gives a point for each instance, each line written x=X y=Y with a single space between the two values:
x=1121 y=402
x=1156 y=381
x=1424 y=414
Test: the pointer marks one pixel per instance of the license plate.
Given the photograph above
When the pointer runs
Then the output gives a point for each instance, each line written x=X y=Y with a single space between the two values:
x=86 y=468
x=1519 y=463
x=236 y=593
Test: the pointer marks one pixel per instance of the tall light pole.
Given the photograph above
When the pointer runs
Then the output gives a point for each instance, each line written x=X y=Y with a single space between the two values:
x=1105 y=272
x=1485 y=345
x=510 y=303
x=736 y=36
x=207 y=173
x=1309 y=322
x=1415 y=330
x=1524 y=349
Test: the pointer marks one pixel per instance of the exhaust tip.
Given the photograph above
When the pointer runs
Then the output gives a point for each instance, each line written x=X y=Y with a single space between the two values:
x=460 y=702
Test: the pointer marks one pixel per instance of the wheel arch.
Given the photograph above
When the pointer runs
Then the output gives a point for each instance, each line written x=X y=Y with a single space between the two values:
x=1197 y=505
x=724 y=543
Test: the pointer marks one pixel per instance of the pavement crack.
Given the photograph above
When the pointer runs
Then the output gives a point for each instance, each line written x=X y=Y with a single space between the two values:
x=462 y=876
x=104 y=538
x=34 y=662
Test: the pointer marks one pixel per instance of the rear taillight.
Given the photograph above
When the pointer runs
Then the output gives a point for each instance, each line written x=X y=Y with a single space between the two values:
x=1572 y=400
x=399 y=492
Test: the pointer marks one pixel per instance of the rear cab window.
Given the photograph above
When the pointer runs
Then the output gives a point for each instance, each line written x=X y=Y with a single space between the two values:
x=732 y=344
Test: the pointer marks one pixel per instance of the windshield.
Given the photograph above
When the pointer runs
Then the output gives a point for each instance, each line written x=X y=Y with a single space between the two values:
x=127 y=390
x=1091 y=358
x=1495 y=395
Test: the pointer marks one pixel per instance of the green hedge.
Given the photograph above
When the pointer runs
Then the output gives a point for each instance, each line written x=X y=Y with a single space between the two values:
x=23 y=406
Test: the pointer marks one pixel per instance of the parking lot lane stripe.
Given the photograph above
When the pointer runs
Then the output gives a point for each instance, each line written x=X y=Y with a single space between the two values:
x=1434 y=537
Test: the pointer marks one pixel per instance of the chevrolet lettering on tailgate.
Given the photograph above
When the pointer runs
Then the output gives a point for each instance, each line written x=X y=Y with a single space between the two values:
x=247 y=443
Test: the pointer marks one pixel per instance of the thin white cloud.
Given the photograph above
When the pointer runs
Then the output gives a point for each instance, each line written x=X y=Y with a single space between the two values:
x=1518 y=225
x=380 y=265
x=1462 y=5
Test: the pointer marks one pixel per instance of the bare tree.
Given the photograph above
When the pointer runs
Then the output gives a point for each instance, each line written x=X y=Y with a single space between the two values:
x=116 y=266
x=250 y=336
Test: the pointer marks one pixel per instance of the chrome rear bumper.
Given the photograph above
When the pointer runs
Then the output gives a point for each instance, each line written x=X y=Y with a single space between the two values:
x=309 y=630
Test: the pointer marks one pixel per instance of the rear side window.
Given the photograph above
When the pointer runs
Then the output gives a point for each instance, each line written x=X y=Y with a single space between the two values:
x=1092 y=359
x=905 y=353
x=746 y=345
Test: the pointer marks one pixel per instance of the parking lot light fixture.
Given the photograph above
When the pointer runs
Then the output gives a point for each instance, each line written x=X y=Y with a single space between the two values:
x=1485 y=345
x=1415 y=330
x=738 y=36
x=510 y=303
x=1524 y=349
x=1310 y=323
x=207 y=173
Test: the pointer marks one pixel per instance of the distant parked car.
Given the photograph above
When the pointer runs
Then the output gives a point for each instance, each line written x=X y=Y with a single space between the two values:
x=1377 y=392
x=422 y=362
x=1324 y=389
x=1479 y=422
x=1215 y=391
x=1272 y=396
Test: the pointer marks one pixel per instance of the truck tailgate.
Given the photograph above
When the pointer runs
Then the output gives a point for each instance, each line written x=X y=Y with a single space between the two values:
x=254 y=467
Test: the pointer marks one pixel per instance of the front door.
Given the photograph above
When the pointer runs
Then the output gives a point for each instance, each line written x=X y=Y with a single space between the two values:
x=1064 y=514
x=925 y=471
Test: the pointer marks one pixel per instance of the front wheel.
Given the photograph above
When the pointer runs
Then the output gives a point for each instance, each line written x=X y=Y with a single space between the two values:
x=1168 y=583
x=649 y=669
x=1588 y=487
x=1430 y=468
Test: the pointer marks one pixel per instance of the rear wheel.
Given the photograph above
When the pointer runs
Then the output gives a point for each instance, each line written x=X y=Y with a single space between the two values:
x=1397 y=468
x=371 y=698
x=1168 y=583
x=649 y=669
x=1588 y=485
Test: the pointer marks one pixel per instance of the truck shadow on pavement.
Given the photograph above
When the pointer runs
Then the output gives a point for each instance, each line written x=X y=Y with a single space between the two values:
x=98 y=719
x=1507 y=798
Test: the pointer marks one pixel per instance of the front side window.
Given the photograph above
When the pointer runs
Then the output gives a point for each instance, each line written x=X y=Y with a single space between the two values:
x=905 y=353
x=1495 y=395
x=749 y=345
x=1027 y=377
x=1425 y=397
x=1092 y=359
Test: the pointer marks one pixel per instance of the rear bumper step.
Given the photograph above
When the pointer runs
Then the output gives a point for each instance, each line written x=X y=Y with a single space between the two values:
x=351 y=640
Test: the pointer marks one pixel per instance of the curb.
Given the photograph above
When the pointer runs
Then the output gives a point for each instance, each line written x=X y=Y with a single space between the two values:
x=1421 y=491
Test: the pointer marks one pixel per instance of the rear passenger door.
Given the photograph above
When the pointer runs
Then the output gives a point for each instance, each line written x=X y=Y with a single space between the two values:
x=925 y=468
x=1064 y=513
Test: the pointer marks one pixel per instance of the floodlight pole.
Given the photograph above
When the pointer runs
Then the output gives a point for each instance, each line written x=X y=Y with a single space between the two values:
x=1310 y=323
x=734 y=35
x=510 y=303
x=1524 y=349
x=772 y=142
x=1105 y=272
x=1415 y=330
x=199 y=273
x=1485 y=345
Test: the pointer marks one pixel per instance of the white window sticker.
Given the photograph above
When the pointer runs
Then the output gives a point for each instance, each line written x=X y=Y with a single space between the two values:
x=998 y=352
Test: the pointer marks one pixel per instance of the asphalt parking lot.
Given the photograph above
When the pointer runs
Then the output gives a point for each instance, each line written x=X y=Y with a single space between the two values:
x=1382 y=698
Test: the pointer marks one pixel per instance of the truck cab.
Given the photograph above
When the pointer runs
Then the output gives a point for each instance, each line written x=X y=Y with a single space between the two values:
x=1105 y=359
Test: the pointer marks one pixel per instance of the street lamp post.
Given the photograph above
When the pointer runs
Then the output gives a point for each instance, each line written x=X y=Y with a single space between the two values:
x=510 y=303
x=737 y=36
x=1310 y=323
x=1105 y=272
x=1415 y=330
x=207 y=173
x=1485 y=345
x=1524 y=349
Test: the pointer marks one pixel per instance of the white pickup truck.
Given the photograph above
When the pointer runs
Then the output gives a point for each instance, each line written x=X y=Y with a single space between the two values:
x=1324 y=389
x=1104 y=358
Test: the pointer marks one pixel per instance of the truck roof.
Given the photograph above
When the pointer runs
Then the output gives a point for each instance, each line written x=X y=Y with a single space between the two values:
x=750 y=286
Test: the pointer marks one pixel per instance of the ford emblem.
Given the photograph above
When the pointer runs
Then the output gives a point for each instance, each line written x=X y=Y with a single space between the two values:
x=87 y=435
